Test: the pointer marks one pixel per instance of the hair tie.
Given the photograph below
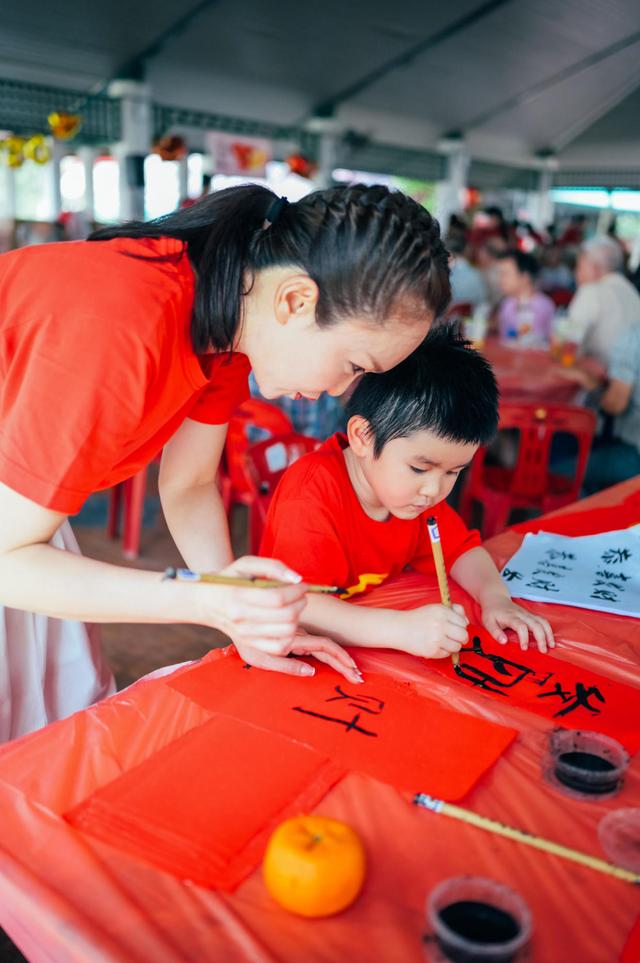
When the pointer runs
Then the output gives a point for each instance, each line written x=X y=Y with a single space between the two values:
x=276 y=210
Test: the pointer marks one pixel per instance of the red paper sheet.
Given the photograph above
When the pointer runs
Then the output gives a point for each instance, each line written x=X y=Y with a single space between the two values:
x=592 y=522
x=383 y=727
x=203 y=807
x=571 y=697
x=631 y=949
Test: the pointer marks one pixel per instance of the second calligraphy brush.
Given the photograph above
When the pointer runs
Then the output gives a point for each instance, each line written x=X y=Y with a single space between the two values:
x=186 y=575
x=441 y=571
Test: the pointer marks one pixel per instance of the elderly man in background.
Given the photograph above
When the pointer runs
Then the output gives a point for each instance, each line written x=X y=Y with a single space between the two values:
x=605 y=302
x=607 y=309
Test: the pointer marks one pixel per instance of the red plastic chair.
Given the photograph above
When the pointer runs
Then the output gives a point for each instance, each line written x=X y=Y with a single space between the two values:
x=127 y=498
x=126 y=504
x=530 y=484
x=266 y=463
x=459 y=310
x=561 y=297
x=259 y=414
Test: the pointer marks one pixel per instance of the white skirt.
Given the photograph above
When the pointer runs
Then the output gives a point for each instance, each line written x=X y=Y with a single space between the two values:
x=49 y=668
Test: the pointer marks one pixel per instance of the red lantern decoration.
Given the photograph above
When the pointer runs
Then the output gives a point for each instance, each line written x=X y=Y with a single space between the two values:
x=171 y=147
x=301 y=165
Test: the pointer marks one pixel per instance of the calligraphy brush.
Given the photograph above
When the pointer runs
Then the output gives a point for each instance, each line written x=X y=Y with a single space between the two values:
x=520 y=836
x=186 y=575
x=441 y=572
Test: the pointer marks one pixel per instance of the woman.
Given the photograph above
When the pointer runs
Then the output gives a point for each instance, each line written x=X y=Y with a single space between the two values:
x=141 y=339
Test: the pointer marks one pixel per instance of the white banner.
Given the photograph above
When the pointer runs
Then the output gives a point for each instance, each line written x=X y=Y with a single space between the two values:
x=236 y=154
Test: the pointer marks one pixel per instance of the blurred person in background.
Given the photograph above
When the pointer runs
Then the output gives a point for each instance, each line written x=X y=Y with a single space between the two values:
x=525 y=315
x=318 y=419
x=487 y=259
x=555 y=274
x=605 y=302
x=467 y=282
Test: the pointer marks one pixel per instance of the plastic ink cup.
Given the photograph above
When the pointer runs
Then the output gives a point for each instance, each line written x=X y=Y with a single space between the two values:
x=476 y=920
x=619 y=835
x=585 y=764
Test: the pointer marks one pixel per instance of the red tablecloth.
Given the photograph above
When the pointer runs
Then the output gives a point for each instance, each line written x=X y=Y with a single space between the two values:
x=65 y=897
x=527 y=374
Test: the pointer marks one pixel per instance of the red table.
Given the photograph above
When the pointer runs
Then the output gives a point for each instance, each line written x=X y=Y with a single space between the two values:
x=528 y=374
x=65 y=897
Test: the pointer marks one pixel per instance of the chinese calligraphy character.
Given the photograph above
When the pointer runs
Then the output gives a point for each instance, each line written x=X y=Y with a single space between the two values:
x=358 y=699
x=620 y=576
x=510 y=574
x=544 y=585
x=499 y=675
x=574 y=700
x=613 y=556
x=362 y=703
x=554 y=553
x=604 y=595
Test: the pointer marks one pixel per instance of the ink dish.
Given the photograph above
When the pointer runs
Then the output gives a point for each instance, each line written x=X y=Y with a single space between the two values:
x=476 y=920
x=585 y=764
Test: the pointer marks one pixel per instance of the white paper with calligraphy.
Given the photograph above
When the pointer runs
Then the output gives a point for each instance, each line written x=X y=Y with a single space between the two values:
x=600 y=572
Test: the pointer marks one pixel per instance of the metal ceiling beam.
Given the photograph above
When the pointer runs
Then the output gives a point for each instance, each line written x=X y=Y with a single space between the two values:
x=518 y=100
x=326 y=107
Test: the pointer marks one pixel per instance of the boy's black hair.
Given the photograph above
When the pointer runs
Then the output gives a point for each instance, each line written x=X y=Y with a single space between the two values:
x=445 y=387
x=525 y=263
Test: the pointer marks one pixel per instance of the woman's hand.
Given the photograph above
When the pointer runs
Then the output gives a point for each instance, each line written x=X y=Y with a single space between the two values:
x=323 y=649
x=263 y=619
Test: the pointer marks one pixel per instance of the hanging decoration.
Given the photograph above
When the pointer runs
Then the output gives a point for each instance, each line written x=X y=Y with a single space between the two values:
x=170 y=147
x=37 y=149
x=13 y=148
x=301 y=165
x=234 y=154
x=63 y=125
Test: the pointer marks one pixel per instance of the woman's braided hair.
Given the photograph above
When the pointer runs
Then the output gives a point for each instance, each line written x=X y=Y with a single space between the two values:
x=367 y=248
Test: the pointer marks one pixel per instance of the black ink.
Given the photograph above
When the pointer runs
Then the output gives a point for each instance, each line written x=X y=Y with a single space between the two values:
x=357 y=701
x=605 y=573
x=543 y=585
x=603 y=595
x=509 y=575
x=554 y=553
x=613 y=556
x=350 y=725
x=575 y=700
x=503 y=673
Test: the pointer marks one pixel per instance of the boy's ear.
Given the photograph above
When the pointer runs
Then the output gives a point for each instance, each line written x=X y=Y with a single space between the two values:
x=360 y=436
x=296 y=297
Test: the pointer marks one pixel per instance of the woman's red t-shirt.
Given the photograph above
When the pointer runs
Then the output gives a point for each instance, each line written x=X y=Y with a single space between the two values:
x=97 y=371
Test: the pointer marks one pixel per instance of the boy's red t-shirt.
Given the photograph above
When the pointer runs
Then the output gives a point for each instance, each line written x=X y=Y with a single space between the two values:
x=316 y=525
x=97 y=370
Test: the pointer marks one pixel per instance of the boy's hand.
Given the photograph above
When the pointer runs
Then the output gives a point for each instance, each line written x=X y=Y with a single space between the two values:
x=432 y=631
x=501 y=612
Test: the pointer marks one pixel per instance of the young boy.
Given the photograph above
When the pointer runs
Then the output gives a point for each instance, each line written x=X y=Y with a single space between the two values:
x=354 y=512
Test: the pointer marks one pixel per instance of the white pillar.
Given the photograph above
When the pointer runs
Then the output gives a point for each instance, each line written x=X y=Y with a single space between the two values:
x=329 y=131
x=87 y=155
x=449 y=193
x=540 y=206
x=7 y=206
x=58 y=151
x=183 y=178
x=137 y=130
